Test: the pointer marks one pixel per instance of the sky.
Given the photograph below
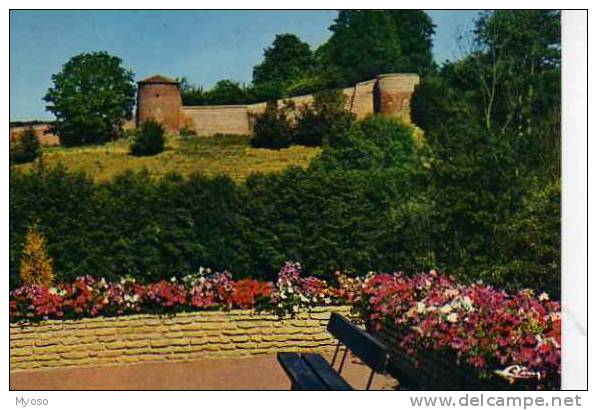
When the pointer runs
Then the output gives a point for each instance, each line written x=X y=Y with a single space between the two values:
x=204 y=46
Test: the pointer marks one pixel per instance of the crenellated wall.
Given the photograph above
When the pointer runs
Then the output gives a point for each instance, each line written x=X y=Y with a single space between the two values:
x=184 y=337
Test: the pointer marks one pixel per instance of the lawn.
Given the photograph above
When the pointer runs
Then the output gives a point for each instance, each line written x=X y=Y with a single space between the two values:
x=218 y=155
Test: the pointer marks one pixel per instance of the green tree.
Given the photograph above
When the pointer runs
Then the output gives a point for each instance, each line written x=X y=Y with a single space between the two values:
x=273 y=128
x=149 y=139
x=227 y=92
x=286 y=60
x=325 y=120
x=491 y=121
x=91 y=98
x=365 y=43
x=26 y=148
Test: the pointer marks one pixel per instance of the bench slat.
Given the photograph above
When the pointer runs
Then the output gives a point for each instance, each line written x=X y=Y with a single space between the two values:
x=326 y=372
x=301 y=376
x=372 y=352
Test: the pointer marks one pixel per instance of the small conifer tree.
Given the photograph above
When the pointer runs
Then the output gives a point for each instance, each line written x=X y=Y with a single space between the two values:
x=36 y=265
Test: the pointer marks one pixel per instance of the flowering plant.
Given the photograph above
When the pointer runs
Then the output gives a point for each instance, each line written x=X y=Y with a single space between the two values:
x=482 y=327
x=486 y=328
x=292 y=292
x=88 y=297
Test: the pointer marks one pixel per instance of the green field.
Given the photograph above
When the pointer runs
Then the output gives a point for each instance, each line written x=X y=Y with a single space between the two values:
x=218 y=155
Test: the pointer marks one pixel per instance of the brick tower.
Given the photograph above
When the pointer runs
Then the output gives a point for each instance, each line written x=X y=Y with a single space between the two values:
x=392 y=95
x=158 y=98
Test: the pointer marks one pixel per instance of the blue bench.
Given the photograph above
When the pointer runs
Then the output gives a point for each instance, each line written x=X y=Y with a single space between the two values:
x=310 y=371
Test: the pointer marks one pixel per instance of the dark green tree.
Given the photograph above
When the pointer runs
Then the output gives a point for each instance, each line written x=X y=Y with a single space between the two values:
x=26 y=148
x=326 y=120
x=91 y=98
x=287 y=59
x=273 y=128
x=491 y=121
x=365 y=43
x=227 y=92
x=149 y=139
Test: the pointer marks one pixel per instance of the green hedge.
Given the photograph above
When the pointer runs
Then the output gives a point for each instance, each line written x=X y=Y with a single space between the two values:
x=374 y=201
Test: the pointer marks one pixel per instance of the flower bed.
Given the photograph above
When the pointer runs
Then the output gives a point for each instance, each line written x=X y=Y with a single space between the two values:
x=427 y=320
x=89 y=297
x=474 y=326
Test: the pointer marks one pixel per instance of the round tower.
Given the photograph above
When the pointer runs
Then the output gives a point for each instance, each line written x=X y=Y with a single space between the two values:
x=158 y=98
x=392 y=95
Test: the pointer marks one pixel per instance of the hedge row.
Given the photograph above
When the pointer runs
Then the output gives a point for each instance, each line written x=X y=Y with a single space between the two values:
x=373 y=202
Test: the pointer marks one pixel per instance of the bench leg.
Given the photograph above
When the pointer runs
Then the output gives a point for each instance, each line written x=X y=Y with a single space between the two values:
x=336 y=353
x=342 y=361
x=370 y=380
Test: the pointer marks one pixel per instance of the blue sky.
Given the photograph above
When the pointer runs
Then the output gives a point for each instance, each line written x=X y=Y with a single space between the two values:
x=204 y=46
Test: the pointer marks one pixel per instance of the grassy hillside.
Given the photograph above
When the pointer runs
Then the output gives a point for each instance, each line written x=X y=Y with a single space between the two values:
x=219 y=155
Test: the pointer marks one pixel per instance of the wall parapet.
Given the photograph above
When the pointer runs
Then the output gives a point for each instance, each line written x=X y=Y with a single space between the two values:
x=184 y=337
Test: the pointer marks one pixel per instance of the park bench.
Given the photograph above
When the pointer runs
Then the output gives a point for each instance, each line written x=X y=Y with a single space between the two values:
x=310 y=371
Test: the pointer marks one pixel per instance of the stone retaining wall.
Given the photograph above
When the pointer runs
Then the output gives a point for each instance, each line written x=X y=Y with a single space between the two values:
x=184 y=337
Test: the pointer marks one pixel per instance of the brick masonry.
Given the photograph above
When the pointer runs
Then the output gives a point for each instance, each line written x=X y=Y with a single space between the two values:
x=388 y=94
x=184 y=337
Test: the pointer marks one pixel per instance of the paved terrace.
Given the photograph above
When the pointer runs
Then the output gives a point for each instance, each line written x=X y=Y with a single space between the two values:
x=252 y=373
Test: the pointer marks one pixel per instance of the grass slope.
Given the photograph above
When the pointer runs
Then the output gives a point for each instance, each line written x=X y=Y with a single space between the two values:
x=218 y=155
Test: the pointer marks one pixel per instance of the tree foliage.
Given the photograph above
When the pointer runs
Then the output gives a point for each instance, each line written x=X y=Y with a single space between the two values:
x=91 y=98
x=273 y=129
x=322 y=122
x=148 y=139
x=365 y=43
x=26 y=148
x=285 y=61
x=35 y=265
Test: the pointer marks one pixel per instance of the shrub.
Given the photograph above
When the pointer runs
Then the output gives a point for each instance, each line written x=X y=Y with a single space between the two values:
x=187 y=132
x=149 y=139
x=273 y=128
x=36 y=265
x=325 y=121
x=27 y=147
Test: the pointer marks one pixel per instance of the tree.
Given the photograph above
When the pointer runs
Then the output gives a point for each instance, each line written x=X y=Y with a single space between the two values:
x=27 y=147
x=273 y=128
x=491 y=123
x=365 y=43
x=36 y=265
x=514 y=63
x=323 y=122
x=227 y=92
x=149 y=139
x=91 y=98
x=415 y=31
x=286 y=60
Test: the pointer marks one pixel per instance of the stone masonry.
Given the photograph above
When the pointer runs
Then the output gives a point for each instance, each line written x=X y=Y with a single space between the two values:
x=184 y=337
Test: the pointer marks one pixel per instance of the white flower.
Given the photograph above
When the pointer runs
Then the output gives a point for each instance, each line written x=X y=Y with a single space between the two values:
x=173 y=279
x=467 y=302
x=420 y=307
x=295 y=308
x=328 y=301
x=445 y=309
x=543 y=297
x=452 y=317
